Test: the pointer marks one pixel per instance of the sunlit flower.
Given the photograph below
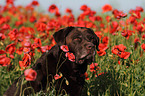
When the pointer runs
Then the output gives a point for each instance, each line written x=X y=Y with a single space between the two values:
x=30 y=74
x=70 y=56
x=26 y=61
x=64 y=48
x=56 y=77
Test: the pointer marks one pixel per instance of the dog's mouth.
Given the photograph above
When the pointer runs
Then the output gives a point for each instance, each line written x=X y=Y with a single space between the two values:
x=89 y=57
x=81 y=60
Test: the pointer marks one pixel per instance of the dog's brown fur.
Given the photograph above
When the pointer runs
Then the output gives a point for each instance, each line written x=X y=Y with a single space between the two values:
x=81 y=42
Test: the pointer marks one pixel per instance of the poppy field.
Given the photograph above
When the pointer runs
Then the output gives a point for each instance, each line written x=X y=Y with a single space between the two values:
x=25 y=34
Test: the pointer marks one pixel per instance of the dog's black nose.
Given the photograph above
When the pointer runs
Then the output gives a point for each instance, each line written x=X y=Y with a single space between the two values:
x=90 y=46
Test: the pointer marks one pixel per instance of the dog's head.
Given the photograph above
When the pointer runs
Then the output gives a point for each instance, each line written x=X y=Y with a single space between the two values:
x=81 y=41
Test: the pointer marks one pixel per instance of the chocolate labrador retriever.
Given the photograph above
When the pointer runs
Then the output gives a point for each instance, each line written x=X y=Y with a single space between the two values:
x=81 y=42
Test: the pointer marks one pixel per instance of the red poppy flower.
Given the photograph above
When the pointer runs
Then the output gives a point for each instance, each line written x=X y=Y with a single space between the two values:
x=84 y=7
x=136 y=14
x=140 y=27
x=102 y=46
x=2 y=36
x=2 y=51
x=11 y=56
x=45 y=48
x=114 y=27
x=57 y=13
x=143 y=36
x=122 y=23
x=70 y=56
x=102 y=25
x=86 y=76
x=6 y=27
x=26 y=43
x=101 y=53
x=101 y=74
x=26 y=61
x=121 y=47
x=4 y=61
x=126 y=33
x=107 y=8
x=9 y=1
x=10 y=48
x=53 y=42
x=137 y=40
x=12 y=34
x=131 y=19
x=30 y=74
x=37 y=42
x=124 y=55
x=68 y=10
x=105 y=40
x=119 y=62
x=18 y=23
x=94 y=67
x=26 y=50
x=118 y=14
x=121 y=14
x=56 y=77
x=98 y=18
x=108 y=18
x=35 y=3
x=32 y=19
x=41 y=27
x=2 y=20
x=20 y=50
x=143 y=46
x=64 y=48
x=115 y=24
x=140 y=9
x=120 y=51
x=53 y=8
x=115 y=51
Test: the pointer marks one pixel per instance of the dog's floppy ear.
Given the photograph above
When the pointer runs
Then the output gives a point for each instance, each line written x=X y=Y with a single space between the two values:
x=96 y=38
x=60 y=35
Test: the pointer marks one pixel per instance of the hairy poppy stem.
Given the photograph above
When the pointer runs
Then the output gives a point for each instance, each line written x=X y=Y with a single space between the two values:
x=58 y=62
